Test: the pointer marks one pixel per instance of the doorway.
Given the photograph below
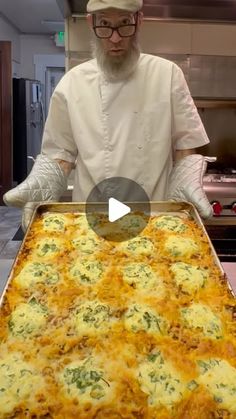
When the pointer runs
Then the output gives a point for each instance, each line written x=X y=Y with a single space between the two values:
x=42 y=63
x=53 y=76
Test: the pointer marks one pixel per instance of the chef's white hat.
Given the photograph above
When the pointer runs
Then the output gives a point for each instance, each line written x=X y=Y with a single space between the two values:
x=129 y=5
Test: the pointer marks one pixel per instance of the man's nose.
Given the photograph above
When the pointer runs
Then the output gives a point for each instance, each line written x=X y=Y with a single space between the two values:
x=115 y=37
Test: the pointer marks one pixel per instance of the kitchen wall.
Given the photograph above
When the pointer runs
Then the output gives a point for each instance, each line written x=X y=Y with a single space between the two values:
x=9 y=33
x=207 y=55
x=24 y=47
x=159 y=37
x=188 y=38
x=205 y=52
x=220 y=125
x=32 y=45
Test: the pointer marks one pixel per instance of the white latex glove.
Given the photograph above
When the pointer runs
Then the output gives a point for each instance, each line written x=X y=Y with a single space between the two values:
x=185 y=183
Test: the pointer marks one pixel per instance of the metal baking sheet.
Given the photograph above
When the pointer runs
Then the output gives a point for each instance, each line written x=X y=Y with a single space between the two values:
x=182 y=209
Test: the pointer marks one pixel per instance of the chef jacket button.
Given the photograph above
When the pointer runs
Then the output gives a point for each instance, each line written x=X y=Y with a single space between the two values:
x=140 y=147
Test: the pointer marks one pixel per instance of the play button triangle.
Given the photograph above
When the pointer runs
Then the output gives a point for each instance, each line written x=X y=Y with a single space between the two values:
x=117 y=209
x=113 y=207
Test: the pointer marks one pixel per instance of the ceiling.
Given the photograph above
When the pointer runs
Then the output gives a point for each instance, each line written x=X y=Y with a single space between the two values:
x=27 y=15
x=46 y=16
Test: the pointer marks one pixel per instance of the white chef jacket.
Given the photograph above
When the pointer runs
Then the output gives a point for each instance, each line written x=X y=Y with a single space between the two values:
x=126 y=128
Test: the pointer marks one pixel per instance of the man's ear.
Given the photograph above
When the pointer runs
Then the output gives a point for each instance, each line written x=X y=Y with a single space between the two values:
x=140 y=18
x=89 y=18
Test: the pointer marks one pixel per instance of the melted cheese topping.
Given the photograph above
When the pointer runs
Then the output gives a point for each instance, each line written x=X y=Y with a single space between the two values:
x=86 y=271
x=82 y=223
x=219 y=377
x=85 y=381
x=92 y=317
x=181 y=246
x=132 y=222
x=188 y=277
x=54 y=223
x=19 y=381
x=49 y=247
x=160 y=380
x=170 y=223
x=142 y=277
x=27 y=319
x=138 y=246
x=142 y=317
x=200 y=316
x=36 y=272
x=95 y=340
x=85 y=244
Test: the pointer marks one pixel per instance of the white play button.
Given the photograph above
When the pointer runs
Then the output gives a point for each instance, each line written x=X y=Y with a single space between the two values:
x=116 y=210
x=114 y=207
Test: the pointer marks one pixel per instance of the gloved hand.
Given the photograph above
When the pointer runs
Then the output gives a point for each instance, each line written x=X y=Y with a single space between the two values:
x=27 y=213
x=46 y=182
x=185 y=183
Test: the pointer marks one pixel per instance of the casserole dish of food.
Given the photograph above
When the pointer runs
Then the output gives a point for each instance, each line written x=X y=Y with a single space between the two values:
x=93 y=328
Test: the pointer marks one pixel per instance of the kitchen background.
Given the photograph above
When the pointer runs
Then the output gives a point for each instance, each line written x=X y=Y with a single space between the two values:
x=200 y=36
x=201 y=39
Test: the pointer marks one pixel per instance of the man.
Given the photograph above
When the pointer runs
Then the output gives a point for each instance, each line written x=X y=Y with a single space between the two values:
x=121 y=114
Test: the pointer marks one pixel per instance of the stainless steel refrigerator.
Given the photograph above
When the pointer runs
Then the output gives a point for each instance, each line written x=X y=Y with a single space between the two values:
x=28 y=123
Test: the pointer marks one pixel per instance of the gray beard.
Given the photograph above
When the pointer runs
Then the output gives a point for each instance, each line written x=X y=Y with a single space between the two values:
x=116 y=68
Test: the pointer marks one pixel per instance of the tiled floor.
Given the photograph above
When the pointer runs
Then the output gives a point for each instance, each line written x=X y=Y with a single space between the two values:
x=10 y=219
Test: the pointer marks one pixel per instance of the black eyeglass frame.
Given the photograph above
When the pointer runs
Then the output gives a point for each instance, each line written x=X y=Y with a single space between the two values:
x=115 y=28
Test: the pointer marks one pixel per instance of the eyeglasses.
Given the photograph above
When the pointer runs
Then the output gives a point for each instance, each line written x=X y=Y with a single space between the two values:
x=107 y=31
x=124 y=31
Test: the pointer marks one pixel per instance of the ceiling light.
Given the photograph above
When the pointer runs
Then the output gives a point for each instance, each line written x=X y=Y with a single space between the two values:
x=54 y=25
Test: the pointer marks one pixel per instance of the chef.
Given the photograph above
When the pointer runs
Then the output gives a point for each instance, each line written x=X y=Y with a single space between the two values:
x=123 y=113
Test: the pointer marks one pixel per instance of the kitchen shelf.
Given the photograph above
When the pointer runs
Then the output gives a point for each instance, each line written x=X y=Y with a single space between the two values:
x=215 y=103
